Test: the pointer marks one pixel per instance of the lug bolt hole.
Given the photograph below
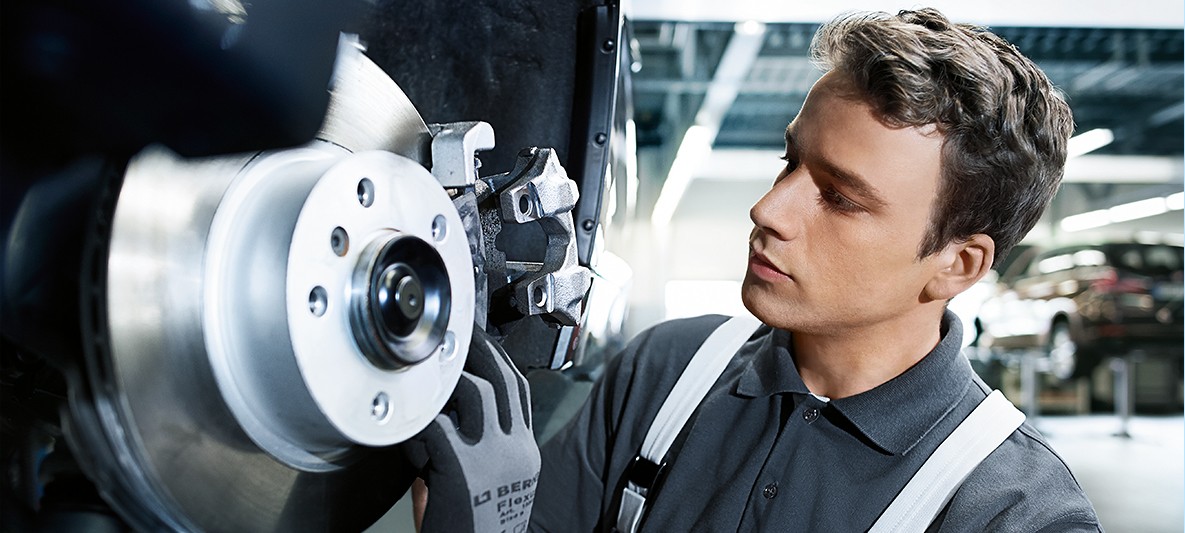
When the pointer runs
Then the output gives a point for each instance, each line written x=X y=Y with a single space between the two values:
x=539 y=296
x=318 y=301
x=366 y=192
x=380 y=407
x=439 y=228
x=448 y=348
x=339 y=240
x=524 y=204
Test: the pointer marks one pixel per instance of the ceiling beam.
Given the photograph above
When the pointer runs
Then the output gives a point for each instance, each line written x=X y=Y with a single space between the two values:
x=735 y=63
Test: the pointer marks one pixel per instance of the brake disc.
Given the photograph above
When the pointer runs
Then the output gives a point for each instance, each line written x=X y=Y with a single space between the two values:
x=263 y=327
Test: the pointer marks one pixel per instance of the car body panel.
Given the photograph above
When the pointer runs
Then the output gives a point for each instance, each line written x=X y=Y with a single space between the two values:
x=1117 y=298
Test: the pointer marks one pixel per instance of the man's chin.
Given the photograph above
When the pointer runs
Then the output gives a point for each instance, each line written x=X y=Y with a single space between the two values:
x=773 y=309
x=757 y=299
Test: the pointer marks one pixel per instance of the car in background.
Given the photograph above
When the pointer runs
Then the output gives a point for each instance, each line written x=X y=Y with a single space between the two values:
x=967 y=304
x=1078 y=305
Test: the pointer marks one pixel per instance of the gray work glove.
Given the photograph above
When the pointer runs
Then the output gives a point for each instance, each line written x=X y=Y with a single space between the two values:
x=479 y=457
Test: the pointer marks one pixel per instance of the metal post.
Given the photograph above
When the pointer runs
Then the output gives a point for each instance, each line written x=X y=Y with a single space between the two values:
x=1121 y=367
x=1028 y=385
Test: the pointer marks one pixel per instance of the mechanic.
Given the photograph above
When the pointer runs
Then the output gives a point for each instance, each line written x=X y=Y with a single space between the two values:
x=925 y=152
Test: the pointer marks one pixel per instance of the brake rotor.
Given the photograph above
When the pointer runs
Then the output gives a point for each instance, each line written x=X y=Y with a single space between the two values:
x=264 y=327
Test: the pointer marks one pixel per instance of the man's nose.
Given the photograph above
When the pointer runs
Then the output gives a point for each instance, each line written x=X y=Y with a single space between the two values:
x=779 y=213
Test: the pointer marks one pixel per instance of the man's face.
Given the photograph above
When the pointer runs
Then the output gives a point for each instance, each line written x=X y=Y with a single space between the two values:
x=835 y=240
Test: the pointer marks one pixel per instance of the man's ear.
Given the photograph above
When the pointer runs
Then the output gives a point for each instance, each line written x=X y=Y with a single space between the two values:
x=960 y=265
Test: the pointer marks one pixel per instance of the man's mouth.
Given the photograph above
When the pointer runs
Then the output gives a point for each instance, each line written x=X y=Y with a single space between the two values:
x=764 y=268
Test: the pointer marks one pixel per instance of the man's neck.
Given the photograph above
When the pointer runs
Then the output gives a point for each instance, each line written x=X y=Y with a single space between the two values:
x=848 y=362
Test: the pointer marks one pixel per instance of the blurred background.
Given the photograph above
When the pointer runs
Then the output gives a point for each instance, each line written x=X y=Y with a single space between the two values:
x=1081 y=326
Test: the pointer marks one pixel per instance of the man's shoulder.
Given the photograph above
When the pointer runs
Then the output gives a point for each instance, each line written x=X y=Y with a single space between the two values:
x=667 y=346
x=638 y=380
x=686 y=329
x=1023 y=485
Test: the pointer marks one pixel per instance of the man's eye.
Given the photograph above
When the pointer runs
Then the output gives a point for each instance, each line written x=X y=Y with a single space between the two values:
x=791 y=165
x=832 y=199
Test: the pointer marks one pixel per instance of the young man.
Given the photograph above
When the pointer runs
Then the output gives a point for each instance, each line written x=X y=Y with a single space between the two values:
x=924 y=153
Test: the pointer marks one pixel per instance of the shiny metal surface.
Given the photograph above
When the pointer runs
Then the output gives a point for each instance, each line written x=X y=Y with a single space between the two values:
x=244 y=322
x=407 y=201
x=541 y=192
x=231 y=393
x=179 y=432
x=400 y=301
x=368 y=111
x=454 y=151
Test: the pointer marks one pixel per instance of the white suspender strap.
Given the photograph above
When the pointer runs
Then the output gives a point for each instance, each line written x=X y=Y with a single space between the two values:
x=945 y=470
x=702 y=371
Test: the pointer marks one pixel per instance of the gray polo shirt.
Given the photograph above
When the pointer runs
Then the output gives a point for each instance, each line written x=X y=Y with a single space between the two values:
x=762 y=454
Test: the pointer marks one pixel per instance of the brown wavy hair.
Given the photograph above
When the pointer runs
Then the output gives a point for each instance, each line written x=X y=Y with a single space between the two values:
x=1004 y=125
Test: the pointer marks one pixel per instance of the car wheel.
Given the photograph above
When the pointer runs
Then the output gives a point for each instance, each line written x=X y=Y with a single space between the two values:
x=1063 y=351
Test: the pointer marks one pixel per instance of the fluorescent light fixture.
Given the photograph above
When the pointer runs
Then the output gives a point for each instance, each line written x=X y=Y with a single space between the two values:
x=695 y=147
x=1084 y=221
x=750 y=27
x=1094 y=168
x=1089 y=141
x=735 y=64
x=1136 y=210
x=1175 y=201
x=1123 y=212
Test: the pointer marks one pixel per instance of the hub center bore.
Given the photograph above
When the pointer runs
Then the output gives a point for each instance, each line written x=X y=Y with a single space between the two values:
x=400 y=298
x=400 y=302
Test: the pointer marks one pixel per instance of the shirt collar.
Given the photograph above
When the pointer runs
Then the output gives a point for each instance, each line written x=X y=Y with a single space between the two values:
x=771 y=370
x=895 y=415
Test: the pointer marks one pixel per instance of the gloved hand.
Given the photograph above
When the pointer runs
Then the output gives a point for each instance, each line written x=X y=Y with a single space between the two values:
x=479 y=458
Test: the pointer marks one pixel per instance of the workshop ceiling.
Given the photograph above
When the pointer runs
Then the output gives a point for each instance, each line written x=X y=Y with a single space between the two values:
x=1126 y=80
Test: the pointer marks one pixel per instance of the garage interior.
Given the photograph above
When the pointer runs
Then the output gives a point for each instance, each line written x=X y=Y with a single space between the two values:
x=705 y=90
x=713 y=90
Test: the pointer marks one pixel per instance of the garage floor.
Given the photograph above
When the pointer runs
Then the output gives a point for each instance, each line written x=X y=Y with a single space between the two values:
x=1136 y=483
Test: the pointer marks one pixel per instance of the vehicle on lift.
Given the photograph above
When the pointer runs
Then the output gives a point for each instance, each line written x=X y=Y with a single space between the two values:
x=1079 y=304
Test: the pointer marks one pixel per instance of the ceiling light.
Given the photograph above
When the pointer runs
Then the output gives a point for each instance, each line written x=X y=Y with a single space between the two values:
x=750 y=27
x=1123 y=212
x=1088 y=220
x=1089 y=141
x=1135 y=210
x=696 y=145
x=1175 y=201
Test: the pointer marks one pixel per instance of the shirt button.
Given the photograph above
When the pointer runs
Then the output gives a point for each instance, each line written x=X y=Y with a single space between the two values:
x=810 y=415
x=770 y=491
